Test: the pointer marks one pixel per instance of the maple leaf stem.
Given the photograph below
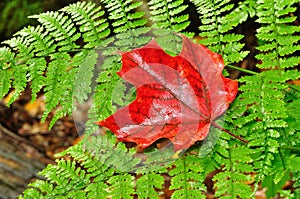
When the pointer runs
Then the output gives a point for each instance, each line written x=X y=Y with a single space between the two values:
x=228 y=132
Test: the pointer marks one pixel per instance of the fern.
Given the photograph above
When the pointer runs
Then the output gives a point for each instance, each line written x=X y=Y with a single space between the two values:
x=128 y=25
x=164 y=15
x=264 y=121
x=39 y=39
x=60 y=58
x=61 y=28
x=131 y=33
x=216 y=26
x=168 y=18
x=90 y=19
x=296 y=178
x=277 y=34
x=122 y=186
x=187 y=178
x=19 y=71
x=35 y=45
x=231 y=181
x=147 y=183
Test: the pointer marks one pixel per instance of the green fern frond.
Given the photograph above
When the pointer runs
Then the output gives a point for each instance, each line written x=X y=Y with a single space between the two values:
x=167 y=15
x=39 y=39
x=5 y=82
x=19 y=70
x=130 y=33
x=168 y=18
x=59 y=84
x=231 y=181
x=121 y=186
x=294 y=114
x=277 y=35
x=6 y=62
x=265 y=114
x=22 y=47
x=147 y=183
x=61 y=177
x=84 y=74
x=107 y=82
x=187 y=178
x=66 y=177
x=89 y=17
x=96 y=171
x=36 y=68
x=32 y=42
x=244 y=11
x=33 y=193
x=121 y=12
x=216 y=26
x=128 y=23
x=61 y=28
x=296 y=178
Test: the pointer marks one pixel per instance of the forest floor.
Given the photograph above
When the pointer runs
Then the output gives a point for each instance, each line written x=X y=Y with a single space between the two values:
x=26 y=144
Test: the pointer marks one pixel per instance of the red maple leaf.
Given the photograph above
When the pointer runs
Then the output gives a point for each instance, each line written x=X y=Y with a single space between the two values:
x=177 y=97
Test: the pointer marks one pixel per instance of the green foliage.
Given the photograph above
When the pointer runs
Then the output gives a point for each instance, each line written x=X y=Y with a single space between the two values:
x=187 y=177
x=89 y=19
x=167 y=18
x=146 y=184
x=216 y=27
x=277 y=34
x=73 y=49
x=235 y=173
x=164 y=15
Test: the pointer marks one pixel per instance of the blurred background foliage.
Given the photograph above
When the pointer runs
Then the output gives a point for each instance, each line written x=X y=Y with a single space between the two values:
x=14 y=13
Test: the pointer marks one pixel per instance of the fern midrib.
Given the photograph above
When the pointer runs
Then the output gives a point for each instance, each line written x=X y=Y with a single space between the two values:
x=231 y=173
x=173 y=42
x=185 y=177
x=168 y=14
x=121 y=187
x=43 y=44
x=63 y=31
x=218 y=29
x=92 y=24
x=276 y=35
x=266 y=137
x=127 y=22
x=148 y=184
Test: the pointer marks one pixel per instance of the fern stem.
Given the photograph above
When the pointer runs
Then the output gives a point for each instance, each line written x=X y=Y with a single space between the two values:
x=242 y=70
x=290 y=148
x=185 y=176
x=282 y=159
x=231 y=173
x=294 y=87
x=168 y=14
x=255 y=73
